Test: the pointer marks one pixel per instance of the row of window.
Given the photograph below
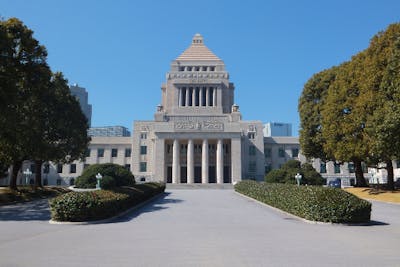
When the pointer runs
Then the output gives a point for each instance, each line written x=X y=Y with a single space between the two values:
x=114 y=152
x=336 y=167
x=197 y=68
x=281 y=152
x=72 y=168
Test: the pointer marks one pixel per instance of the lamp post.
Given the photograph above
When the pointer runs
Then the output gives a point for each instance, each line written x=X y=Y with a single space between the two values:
x=28 y=174
x=298 y=177
x=98 y=177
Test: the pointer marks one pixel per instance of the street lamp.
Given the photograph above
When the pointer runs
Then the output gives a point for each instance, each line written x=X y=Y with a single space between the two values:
x=298 y=177
x=28 y=174
x=98 y=177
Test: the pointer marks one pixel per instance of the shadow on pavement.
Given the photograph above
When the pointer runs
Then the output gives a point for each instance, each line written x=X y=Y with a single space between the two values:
x=37 y=210
x=156 y=205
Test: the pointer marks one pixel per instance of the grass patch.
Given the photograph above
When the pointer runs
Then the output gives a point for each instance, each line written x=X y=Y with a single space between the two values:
x=314 y=203
x=26 y=193
x=375 y=194
x=101 y=204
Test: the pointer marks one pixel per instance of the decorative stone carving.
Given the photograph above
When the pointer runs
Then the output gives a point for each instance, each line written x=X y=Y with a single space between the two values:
x=192 y=125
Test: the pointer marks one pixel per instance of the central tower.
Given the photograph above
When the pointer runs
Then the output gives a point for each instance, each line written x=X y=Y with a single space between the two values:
x=197 y=135
x=197 y=83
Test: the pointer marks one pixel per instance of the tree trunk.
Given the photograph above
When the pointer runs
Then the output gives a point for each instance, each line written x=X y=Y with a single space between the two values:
x=15 y=168
x=38 y=173
x=390 y=180
x=360 y=180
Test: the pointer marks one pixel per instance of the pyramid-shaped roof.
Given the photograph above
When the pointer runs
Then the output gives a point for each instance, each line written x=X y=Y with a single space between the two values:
x=197 y=51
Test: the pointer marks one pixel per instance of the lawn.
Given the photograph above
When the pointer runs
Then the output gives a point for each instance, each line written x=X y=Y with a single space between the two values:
x=26 y=193
x=375 y=194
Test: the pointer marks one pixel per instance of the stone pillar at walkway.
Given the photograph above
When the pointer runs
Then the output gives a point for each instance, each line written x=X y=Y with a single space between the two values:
x=204 y=162
x=220 y=162
x=176 y=166
x=190 y=162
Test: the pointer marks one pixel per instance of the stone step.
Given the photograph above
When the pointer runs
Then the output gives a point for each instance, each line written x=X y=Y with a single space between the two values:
x=200 y=186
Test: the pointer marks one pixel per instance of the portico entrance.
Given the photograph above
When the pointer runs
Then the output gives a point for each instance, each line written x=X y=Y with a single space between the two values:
x=198 y=161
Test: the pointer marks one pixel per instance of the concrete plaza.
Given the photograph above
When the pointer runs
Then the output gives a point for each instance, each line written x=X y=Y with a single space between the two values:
x=197 y=227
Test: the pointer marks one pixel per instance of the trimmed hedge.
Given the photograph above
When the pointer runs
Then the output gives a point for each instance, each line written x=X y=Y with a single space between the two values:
x=122 y=176
x=101 y=204
x=323 y=204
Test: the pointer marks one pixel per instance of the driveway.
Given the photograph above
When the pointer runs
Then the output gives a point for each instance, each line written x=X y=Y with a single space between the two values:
x=202 y=227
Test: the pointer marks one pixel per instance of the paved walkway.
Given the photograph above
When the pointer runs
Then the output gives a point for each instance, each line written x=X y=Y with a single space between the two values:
x=203 y=227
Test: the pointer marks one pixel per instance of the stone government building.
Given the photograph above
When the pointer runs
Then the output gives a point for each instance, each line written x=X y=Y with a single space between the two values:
x=197 y=135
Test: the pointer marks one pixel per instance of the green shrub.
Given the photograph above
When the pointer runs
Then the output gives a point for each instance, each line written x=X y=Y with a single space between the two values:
x=122 y=176
x=100 y=204
x=107 y=182
x=288 y=170
x=313 y=203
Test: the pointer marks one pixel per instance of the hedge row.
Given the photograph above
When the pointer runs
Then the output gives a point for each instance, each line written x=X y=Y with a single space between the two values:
x=313 y=203
x=100 y=204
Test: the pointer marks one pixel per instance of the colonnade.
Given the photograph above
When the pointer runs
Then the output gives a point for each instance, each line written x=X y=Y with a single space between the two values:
x=190 y=162
x=197 y=96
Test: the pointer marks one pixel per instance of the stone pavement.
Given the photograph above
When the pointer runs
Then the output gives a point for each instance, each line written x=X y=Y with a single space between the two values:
x=203 y=227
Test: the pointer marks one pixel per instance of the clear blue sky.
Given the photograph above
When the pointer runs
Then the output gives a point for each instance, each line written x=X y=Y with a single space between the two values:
x=120 y=50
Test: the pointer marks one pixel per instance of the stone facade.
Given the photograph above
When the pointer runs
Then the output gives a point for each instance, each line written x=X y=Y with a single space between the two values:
x=197 y=135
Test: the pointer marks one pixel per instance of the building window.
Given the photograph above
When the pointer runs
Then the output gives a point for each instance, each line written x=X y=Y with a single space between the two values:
x=85 y=165
x=365 y=169
x=225 y=148
x=267 y=168
x=33 y=168
x=281 y=152
x=251 y=135
x=143 y=167
x=100 y=152
x=72 y=168
x=59 y=168
x=295 y=152
x=128 y=167
x=87 y=153
x=143 y=135
x=128 y=152
x=351 y=167
x=267 y=152
x=252 y=166
x=46 y=168
x=114 y=152
x=212 y=68
x=143 y=150
x=322 y=168
x=337 y=167
x=168 y=149
x=252 y=150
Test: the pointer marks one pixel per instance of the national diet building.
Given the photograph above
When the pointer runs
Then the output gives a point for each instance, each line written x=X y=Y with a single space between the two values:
x=197 y=135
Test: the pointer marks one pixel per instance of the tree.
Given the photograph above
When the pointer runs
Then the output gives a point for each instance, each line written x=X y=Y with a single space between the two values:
x=23 y=61
x=343 y=119
x=59 y=140
x=37 y=128
x=383 y=123
x=311 y=103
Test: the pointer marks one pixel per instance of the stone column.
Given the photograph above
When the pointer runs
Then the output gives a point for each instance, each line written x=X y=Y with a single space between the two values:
x=176 y=166
x=190 y=162
x=193 y=96
x=220 y=162
x=187 y=97
x=207 y=96
x=214 y=97
x=204 y=162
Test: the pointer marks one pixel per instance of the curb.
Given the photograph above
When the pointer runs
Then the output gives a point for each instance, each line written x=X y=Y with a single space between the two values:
x=108 y=220
x=300 y=218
